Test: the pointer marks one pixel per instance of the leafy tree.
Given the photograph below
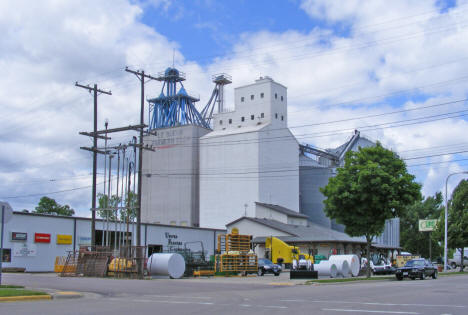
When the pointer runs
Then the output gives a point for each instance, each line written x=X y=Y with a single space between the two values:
x=104 y=202
x=50 y=206
x=371 y=187
x=411 y=239
x=131 y=201
x=457 y=226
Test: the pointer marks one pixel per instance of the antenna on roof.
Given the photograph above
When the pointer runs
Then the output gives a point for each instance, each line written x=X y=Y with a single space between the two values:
x=173 y=57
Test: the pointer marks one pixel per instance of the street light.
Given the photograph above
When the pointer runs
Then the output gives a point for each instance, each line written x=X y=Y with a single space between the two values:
x=446 y=215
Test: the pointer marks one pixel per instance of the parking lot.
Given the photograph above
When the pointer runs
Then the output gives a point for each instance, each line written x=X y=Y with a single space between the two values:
x=251 y=295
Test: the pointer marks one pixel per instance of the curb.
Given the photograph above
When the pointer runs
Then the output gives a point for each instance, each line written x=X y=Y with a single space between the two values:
x=25 y=298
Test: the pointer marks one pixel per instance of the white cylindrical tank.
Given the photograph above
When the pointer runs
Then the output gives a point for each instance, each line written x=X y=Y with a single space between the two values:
x=342 y=266
x=353 y=262
x=171 y=264
x=326 y=268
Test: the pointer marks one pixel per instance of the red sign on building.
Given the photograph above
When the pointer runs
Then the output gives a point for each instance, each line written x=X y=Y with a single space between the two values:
x=41 y=238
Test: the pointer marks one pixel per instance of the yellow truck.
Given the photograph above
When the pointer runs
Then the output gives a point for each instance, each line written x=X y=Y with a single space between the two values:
x=281 y=253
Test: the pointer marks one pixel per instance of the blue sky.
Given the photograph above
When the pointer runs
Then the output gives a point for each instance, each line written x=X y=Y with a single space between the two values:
x=210 y=28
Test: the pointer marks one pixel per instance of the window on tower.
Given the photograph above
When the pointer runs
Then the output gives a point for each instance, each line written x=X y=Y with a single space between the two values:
x=252 y=117
x=252 y=97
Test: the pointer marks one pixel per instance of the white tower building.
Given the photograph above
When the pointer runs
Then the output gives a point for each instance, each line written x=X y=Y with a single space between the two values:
x=250 y=156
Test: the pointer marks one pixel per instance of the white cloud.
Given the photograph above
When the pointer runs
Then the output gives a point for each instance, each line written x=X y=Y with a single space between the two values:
x=387 y=47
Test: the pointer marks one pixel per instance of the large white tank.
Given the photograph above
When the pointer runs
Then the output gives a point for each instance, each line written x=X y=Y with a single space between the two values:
x=172 y=265
x=326 y=268
x=342 y=266
x=353 y=262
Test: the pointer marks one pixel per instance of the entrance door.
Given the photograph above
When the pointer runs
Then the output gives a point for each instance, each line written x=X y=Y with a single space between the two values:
x=154 y=248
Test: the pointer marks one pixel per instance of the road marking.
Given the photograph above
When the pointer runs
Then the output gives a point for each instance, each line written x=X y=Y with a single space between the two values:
x=272 y=306
x=373 y=303
x=281 y=283
x=179 y=297
x=365 y=311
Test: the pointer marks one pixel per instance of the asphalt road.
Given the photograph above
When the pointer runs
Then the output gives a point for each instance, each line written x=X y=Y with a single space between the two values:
x=266 y=295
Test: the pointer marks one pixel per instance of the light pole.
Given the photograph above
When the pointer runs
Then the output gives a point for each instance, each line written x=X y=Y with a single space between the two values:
x=446 y=217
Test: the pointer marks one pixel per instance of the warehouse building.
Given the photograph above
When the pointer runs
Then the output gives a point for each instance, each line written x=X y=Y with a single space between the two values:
x=33 y=241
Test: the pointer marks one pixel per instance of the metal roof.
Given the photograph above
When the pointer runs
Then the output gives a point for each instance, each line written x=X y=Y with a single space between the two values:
x=299 y=233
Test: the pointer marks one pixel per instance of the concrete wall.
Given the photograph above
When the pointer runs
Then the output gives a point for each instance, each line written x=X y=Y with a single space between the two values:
x=249 y=161
x=228 y=178
x=268 y=106
x=170 y=191
x=279 y=168
x=40 y=257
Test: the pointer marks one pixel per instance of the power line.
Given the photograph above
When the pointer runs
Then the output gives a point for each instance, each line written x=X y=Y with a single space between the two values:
x=50 y=193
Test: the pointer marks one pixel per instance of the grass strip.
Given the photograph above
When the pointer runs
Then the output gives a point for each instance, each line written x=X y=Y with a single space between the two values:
x=458 y=273
x=4 y=292
x=10 y=286
x=337 y=280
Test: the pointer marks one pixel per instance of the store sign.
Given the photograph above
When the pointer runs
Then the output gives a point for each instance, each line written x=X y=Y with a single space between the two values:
x=19 y=236
x=24 y=250
x=64 y=239
x=172 y=239
x=427 y=225
x=41 y=237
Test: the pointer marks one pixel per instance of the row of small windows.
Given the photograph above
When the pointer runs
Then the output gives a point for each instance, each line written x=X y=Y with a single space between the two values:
x=262 y=95
x=252 y=117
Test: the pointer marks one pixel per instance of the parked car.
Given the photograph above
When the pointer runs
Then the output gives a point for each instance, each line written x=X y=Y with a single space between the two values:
x=456 y=261
x=266 y=266
x=417 y=268
x=383 y=268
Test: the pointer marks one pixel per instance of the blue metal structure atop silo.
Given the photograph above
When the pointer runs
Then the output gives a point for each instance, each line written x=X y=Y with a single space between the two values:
x=174 y=108
x=177 y=108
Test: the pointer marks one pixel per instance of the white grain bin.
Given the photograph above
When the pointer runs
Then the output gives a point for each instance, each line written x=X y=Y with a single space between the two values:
x=353 y=262
x=172 y=265
x=326 y=268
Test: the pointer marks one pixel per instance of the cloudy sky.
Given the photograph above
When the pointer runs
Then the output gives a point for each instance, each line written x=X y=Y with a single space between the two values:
x=396 y=70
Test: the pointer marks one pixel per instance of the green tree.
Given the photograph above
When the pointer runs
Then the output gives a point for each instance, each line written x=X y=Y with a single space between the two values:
x=50 y=206
x=371 y=187
x=417 y=242
x=131 y=201
x=105 y=203
x=457 y=226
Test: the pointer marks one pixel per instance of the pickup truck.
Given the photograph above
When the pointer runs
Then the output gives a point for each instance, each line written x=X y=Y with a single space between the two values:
x=456 y=261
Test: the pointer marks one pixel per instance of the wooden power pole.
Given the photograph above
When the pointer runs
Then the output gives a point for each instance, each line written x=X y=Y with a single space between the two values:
x=141 y=75
x=95 y=92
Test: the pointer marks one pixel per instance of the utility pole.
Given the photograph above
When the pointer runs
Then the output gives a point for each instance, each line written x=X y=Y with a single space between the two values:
x=141 y=76
x=95 y=91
